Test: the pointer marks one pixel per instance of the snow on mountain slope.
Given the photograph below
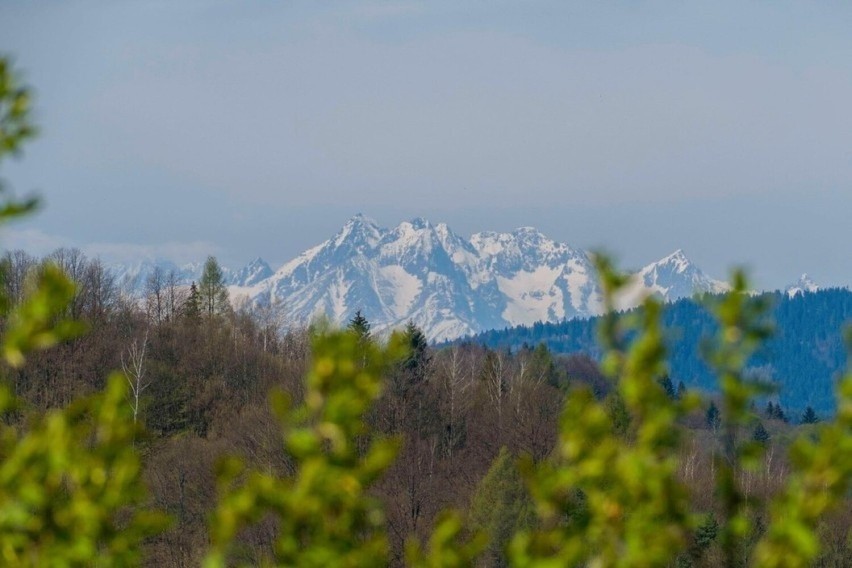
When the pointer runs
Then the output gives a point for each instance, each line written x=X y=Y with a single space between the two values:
x=448 y=285
x=254 y=272
x=133 y=276
x=801 y=286
x=670 y=278
x=451 y=286
x=540 y=279
x=408 y=272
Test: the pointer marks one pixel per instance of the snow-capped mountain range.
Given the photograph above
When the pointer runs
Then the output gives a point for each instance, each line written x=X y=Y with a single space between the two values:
x=448 y=285
x=132 y=276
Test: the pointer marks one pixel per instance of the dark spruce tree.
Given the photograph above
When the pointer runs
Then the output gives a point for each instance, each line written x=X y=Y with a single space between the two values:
x=192 y=307
x=668 y=386
x=703 y=539
x=713 y=417
x=416 y=362
x=809 y=416
x=775 y=412
x=360 y=326
x=760 y=434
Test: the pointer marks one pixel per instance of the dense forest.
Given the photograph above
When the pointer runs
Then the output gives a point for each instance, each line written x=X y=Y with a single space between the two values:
x=802 y=360
x=199 y=374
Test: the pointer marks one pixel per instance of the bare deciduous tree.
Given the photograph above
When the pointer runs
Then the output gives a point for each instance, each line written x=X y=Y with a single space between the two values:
x=155 y=292
x=134 y=371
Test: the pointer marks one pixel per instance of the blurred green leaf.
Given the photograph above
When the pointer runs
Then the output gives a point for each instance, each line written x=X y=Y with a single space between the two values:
x=70 y=487
x=38 y=322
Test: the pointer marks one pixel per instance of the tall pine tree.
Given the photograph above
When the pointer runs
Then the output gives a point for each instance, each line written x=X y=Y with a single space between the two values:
x=212 y=289
x=713 y=416
x=810 y=416
x=760 y=434
x=192 y=307
x=360 y=326
x=417 y=361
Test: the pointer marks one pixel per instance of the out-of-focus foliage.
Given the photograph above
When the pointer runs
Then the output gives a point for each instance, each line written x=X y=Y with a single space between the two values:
x=448 y=546
x=635 y=510
x=69 y=486
x=68 y=483
x=15 y=105
x=324 y=513
x=742 y=329
x=38 y=321
x=15 y=129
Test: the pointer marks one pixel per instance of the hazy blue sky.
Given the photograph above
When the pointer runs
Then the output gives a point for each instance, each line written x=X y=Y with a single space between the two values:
x=257 y=128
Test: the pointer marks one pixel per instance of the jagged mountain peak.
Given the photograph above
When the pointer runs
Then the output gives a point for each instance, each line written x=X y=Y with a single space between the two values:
x=528 y=232
x=416 y=235
x=802 y=285
x=359 y=218
x=806 y=280
x=524 y=248
x=252 y=273
x=359 y=231
x=420 y=223
x=673 y=276
x=674 y=263
x=678 y=260
x=256 y=261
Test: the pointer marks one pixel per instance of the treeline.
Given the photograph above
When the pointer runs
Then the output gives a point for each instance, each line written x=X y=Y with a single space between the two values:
x=802 y=360
x=199 y=374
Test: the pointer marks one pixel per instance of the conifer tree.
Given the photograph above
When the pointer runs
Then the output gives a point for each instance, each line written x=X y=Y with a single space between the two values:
x=776 y=412
x=417 y=361
x=810 y=416
x=192 y=307
x=760 y=434
x=668 y=386
x=702 y=540
x=713 y=416
x=360 y=326
x=618 y=413
x=543 y=361
x=211 y=287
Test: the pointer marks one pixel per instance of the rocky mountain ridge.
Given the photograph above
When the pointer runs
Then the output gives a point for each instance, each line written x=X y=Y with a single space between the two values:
x=448 y=285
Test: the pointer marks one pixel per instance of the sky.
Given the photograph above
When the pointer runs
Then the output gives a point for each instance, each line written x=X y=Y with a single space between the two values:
x=182 y=129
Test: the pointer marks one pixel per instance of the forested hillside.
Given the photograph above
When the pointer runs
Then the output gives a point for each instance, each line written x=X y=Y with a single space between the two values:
x=803 y=359
x=199 y=374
